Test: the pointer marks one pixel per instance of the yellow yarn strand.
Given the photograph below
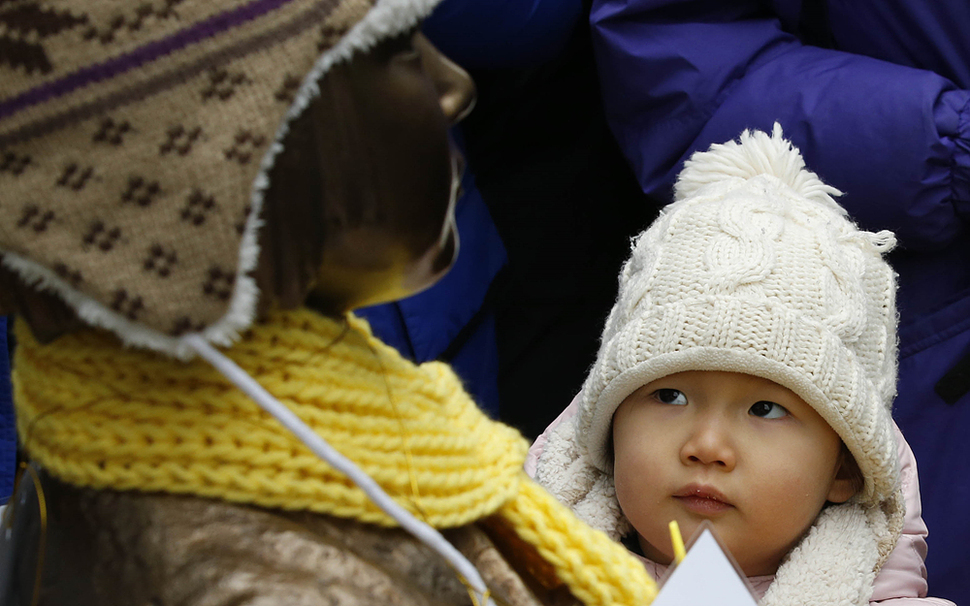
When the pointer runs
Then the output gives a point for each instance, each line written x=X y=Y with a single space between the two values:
x=416 y=493
x=42 y=539
x=409 y=458
x=677 y=542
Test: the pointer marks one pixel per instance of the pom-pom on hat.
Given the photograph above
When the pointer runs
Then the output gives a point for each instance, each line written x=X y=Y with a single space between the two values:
x=756 y=269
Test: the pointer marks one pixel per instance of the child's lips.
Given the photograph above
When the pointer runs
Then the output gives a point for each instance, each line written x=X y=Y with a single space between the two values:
x=702 y=500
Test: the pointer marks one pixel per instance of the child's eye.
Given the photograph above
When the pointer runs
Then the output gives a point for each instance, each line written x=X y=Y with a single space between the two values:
x=671 y=396
x=768 y=410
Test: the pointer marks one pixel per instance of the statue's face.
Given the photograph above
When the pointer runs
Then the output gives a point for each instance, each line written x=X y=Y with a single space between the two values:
x=389 y=174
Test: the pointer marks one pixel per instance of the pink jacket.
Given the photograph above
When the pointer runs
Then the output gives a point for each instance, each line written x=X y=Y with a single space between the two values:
x=902 y=580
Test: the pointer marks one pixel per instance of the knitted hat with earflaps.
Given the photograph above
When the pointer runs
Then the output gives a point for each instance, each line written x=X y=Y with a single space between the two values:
x=756 y=269
x=135 y=143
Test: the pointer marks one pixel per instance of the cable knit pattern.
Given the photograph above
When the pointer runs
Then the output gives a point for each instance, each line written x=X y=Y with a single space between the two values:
x=97 y=415
x=756 y=269
x=753 y=273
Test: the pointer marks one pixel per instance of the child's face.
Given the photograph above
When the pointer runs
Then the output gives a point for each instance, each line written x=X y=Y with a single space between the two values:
x=743 y=452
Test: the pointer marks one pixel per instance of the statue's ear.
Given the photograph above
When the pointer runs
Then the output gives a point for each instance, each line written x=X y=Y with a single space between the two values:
x=360 y=205
x=291 y=238
x=47 y=315
x=322 y=190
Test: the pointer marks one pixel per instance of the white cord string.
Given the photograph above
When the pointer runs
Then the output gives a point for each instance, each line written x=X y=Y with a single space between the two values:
x=423 y=532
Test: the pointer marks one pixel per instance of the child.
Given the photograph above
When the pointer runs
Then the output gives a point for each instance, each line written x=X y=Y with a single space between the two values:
x=745 y=377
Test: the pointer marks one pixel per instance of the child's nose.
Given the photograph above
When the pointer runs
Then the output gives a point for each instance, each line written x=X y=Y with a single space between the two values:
x=710 y=443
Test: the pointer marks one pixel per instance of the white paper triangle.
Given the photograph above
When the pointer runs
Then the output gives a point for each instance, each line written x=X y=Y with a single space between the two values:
x=706 y=576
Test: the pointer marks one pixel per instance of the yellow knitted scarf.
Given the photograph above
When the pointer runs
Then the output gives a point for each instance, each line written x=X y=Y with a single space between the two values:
x=97 y=415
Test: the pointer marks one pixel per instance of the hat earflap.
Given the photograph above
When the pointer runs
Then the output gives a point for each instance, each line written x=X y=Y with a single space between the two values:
x=839 y=558
x=566 y=472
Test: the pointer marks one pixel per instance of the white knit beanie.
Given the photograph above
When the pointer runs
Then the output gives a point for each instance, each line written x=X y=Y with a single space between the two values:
x=755 y=269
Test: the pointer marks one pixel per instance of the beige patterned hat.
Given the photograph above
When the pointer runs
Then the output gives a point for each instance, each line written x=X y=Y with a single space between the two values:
x=135 y=142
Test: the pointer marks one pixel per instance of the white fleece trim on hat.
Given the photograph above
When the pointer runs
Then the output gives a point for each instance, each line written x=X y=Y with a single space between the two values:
x=835 y=563
x=386 y=19
x=567 y=474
